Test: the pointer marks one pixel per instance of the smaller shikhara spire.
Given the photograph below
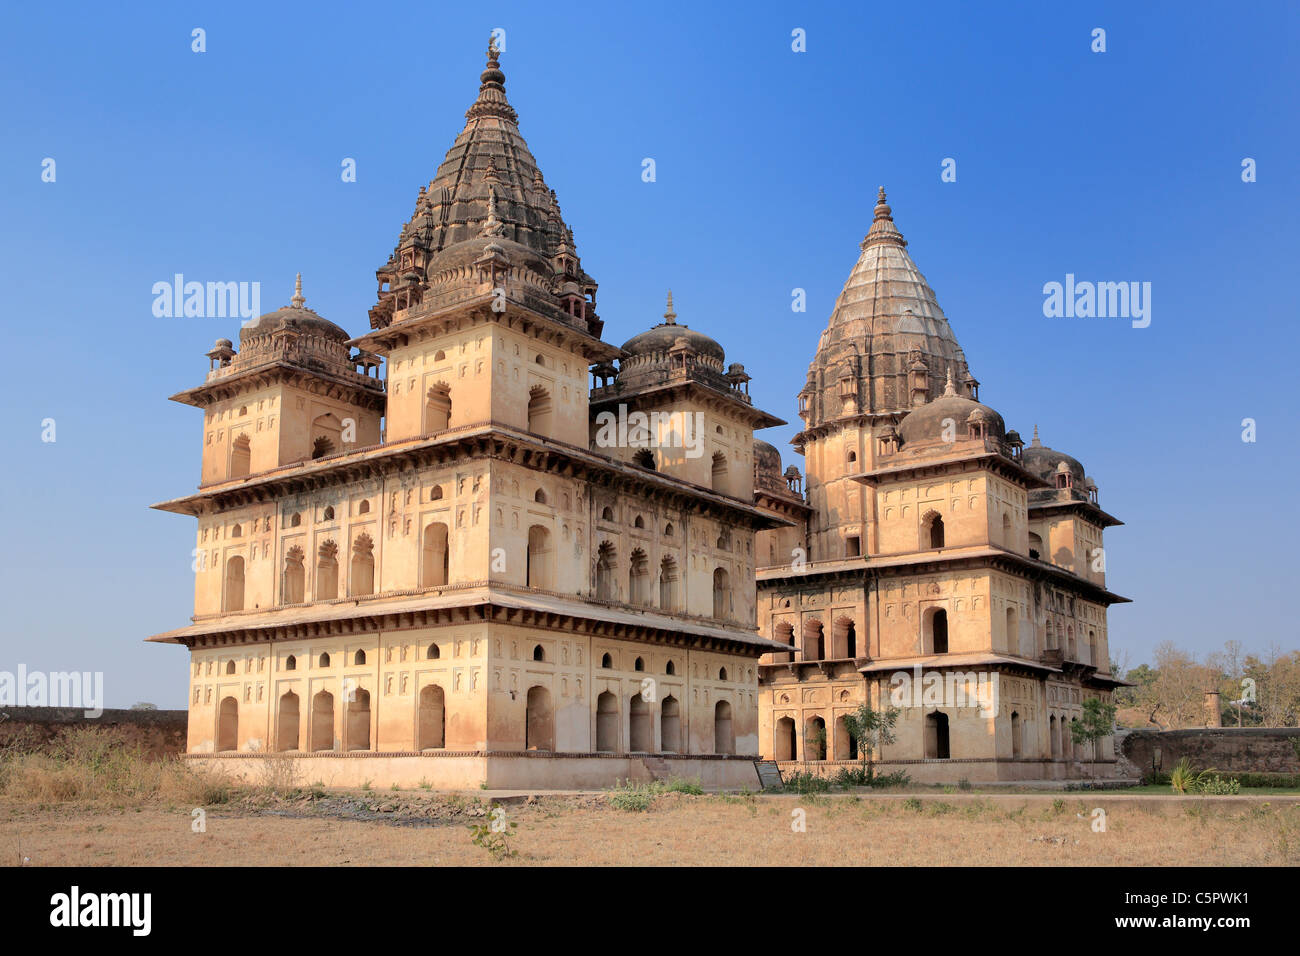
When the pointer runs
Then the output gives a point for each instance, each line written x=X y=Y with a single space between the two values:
x=882 y=227
x=1036 y=443
x=492 y=88
x=949 y=391
x=670 y=317
x=297 y=301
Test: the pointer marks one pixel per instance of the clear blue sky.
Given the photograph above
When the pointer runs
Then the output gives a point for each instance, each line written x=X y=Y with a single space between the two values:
x=225 y=166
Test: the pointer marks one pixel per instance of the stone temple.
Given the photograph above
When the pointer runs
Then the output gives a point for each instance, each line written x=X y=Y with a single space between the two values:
x=479 y=545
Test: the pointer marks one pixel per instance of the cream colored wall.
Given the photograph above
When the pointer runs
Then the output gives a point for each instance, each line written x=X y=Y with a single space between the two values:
x=905 y=605
x=278 y=422
x=840 y=503
x=962 y=501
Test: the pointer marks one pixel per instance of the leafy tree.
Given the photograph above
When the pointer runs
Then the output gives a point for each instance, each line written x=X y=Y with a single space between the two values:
x=872 y=729
x=1098 y=721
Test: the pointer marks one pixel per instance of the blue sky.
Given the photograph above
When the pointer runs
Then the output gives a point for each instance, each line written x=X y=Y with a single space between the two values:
x=224 y=165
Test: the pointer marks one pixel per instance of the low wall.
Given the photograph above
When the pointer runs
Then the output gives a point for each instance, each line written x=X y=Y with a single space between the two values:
x=157 y=732
x=469 y=771
x=1244 y=750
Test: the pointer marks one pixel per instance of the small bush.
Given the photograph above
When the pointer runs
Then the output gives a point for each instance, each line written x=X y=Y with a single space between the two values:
x=803 y=781
x=677 y=785
x=913 y=804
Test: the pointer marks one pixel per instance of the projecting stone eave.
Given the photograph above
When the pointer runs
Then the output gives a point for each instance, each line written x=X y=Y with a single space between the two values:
x=933 y=561
x=944 y=661
x=923 y=467
x=483 y=440
x=365 y=391
x=1087 y=509
x=479 y=601
x=478 y=308
x=611 y=395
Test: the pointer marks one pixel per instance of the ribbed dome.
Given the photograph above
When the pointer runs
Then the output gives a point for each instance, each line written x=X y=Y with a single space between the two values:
x=295 y=316
x=885 y=318
x=949 y=411
x=1044 y=462
x=666 y=335
x=487 y=187
x=766 y=458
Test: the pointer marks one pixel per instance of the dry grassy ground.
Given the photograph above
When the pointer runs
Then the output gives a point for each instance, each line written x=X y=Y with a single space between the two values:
x=91 y=799
x=676 y=829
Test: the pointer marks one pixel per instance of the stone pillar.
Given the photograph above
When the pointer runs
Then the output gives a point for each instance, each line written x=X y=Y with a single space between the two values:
x=1213 y=716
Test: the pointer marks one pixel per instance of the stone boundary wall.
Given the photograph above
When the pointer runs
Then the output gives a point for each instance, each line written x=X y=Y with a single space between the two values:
x=158 y=732
x=1239 y=750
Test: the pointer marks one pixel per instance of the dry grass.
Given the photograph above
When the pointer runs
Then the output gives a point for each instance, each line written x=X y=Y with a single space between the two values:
x=676 y=830
x=93 y=800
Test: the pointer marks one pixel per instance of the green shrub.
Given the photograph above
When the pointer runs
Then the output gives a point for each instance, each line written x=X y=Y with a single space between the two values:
x=1218 y=786
x=803 y=781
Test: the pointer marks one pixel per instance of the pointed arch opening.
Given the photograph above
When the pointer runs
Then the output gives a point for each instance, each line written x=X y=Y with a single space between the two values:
x=437 y=408
x=435 y=567
x=607 y=723
x=724 y=734
x=358 y=723
x=539 y=411
x=670 y=725
x=638 y=578
x=539 y=567
x=228 y=724
x=539 y=720
x=295 y=577
x=234 y=589
x=361 y=580
x=241 y=457
x=327 y=571
x=433 y=718
x=286 y=729
x=322 y=721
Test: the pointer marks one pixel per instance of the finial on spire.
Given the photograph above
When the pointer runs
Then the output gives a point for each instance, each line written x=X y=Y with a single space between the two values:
x=297 y=301
x=670 y=317
x=493 y=51
x=882 y=206
x=1036 y=443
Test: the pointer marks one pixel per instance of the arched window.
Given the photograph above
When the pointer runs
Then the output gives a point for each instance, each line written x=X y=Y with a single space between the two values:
x=1013 y=633
x=844 y=639
x=814 y=738
x=539 y=496
x=722 y=673
x=668 y=530
x=326 y=435
x=431 y=653
x=670 y=668
x=228 y=724
x=234 y=584
x=1006 y=531
x=644 y=458
x=1016 y=743
x=1054 y=734
x=539 y=653
x=433 y=718
x=719 y=472
x=638 y=578
x=364 y=507
x=436 y=567
x=721 y=593
x=1035 y=545
x=785 y=634
x=814 y=645
x=1094 y=651
x=539 y=720
x=606 y=661
x=327 y=572
x=291 y=663
x=237 y=530
x=668 y=590
x=323 y=661
x=1067 y=738
x=435 y=493
x=607 y=514
x=853 y=457
x=538 y=568
x=607 y=722
x=724 y=735
x=670 y=725
x=437 y=408
x=846 y=745
x=241 y=456
x=937 y=636
x=936 y=736
x=362 y=579
x=329 y=513
x=321 y=447
x=286 y=727
x=359 y=657
x=230 y=667
x=295 y=576
x=640 y=731
x=605 y=563
x=358 y=726
x=932 y=530
x=539 y=410
x=638 y=522
x=295 y=521
x=322 y=721
x=785 y=743
x=638 y=664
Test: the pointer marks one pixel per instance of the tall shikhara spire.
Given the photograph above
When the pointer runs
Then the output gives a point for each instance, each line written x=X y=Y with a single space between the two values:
x=487 y=186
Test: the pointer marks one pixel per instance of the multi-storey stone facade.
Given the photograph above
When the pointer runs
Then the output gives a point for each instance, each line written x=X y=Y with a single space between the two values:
x=937 y=565
x=425 y=560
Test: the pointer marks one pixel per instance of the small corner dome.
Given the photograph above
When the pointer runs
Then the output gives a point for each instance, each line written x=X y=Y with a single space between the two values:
x=766 y=457
x=670 y=334
x=927 y=423
x=1046 y=463
x=294 y=316
x=223 y=344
